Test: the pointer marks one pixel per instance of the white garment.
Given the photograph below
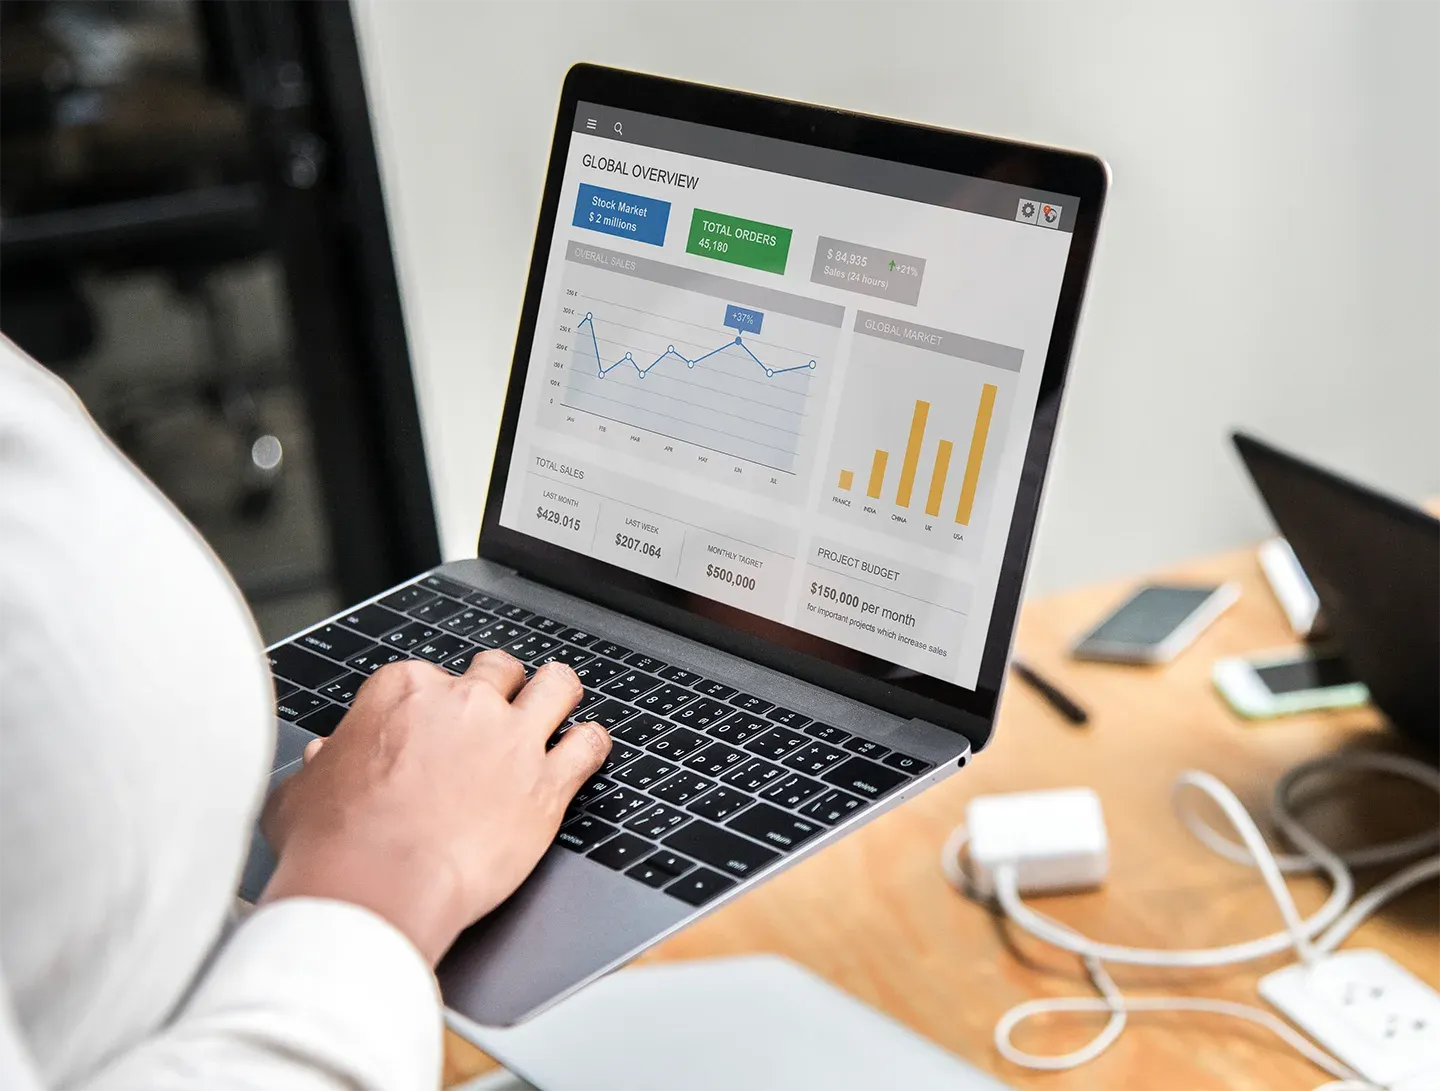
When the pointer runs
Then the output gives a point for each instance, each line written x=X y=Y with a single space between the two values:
x=136 y=729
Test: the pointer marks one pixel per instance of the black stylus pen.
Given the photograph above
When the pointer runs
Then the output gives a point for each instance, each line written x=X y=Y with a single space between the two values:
x=1059 y=701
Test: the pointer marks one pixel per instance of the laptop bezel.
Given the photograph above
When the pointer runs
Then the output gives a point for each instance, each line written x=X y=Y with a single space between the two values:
x=876 y=682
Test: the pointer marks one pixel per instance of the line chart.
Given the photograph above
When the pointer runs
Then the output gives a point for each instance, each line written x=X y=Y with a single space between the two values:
x=602 y=369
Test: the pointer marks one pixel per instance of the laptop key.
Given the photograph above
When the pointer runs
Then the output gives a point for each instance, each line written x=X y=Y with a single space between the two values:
x=344 y=688
x=815 y=758
x=583 y=832
x=710 y=688
x=773 y=826
x=445 y=586
x=865 y=778
x=593 y=788
x=699 y=887
x=374 y=621
x=618 y=805
x=826 y=732
x=748 y=702
x=677 y=744
x=498 y=634
x=299 y=703
x=563 y=653
x=334 y=642
x=641 y=661
x=547 y=625
x=440 y=648
x=681 y=788
x=665 y=700
x=531 y=646
x=323 y=721
x=645 y=771
x=775 y=743
x=436 y=612
x=371 y=661
x=417 y=632
x=641 y=729
x=865 y=748
x=577 y=636
x=609 y=712
x=738 y=728
x=657 y=820
x=301 y=667
x=408 y=598
x=484 y=601
x=598 y=671
x=621 y=851
x=792 y=790
x=666 y=860
x=679 y=675
x=715 y=759
x=753 y=775
x=630 y=685
x=618 y=756
x=650 y=875
x=832 y=807
x=720 y=803
x=282 y=687
x=905 y=763
x=511 y=612
x=701 y=713
x=461 y=663
x=610 y=649
x=467 y=621
x=720 y=849
x=787 y=717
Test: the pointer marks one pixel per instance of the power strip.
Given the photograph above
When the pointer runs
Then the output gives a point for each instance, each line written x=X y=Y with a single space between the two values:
x=1366 y=1009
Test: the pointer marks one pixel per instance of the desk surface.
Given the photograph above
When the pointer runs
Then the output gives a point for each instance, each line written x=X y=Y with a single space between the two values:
x=874 y=915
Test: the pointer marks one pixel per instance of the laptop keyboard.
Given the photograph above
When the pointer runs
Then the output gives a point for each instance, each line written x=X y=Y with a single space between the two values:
x=705 y=786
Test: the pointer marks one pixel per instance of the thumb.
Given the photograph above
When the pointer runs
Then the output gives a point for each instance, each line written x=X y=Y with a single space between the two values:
x=577 y=756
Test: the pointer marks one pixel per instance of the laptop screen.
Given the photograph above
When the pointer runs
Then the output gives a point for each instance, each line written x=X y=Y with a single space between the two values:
x=789 y=379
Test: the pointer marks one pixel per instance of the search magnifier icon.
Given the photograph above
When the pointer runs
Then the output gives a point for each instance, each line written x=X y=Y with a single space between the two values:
x=619 y=129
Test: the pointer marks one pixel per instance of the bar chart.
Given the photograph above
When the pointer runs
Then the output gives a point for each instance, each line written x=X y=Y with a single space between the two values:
x=920 y=432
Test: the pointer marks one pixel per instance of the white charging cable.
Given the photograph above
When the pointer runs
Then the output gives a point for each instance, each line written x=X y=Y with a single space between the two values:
x=1251 y=850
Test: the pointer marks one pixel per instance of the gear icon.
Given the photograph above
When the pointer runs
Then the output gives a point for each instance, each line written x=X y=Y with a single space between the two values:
x=1028 y=210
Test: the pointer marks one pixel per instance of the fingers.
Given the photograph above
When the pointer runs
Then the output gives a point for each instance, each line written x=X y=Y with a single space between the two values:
x=311 y=749
x=549 y=697
x=577 y=756
x=501 y=669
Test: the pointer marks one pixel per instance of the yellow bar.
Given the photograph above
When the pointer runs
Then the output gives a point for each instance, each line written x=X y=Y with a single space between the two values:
x=937 y=478
x=847 y=478
x=977 y=453
x=912 y=454
x=877 y=474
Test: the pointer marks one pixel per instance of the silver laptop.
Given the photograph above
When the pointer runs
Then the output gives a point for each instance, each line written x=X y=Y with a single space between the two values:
x=784 y=391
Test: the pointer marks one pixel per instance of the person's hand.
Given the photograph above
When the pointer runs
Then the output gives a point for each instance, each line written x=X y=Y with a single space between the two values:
x=435 y=797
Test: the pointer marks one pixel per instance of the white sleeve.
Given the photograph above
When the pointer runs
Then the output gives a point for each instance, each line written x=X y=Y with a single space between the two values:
x=307 y=995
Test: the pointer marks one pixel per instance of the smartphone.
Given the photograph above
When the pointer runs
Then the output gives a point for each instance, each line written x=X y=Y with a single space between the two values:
x=1156 y=623
x=1284 y=682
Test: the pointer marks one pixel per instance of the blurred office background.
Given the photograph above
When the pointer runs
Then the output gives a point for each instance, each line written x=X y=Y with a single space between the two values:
x=1271 y=256
x=194 y=233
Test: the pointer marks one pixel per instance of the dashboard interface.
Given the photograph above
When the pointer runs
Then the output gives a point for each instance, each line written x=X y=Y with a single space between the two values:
x=796 y=381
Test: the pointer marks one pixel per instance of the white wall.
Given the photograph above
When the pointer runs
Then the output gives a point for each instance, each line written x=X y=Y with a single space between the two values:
x=1271 y=255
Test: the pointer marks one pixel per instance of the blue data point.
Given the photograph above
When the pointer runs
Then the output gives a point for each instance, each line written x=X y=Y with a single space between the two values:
x=737 y=338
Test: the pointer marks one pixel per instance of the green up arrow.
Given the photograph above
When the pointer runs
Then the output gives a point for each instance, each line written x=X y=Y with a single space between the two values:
x=892 y=265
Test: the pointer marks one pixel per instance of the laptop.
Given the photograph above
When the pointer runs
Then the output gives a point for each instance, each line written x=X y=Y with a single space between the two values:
x=1375 y=565
x=784 y=390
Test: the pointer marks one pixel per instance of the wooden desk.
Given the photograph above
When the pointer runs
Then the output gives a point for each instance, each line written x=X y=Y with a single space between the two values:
x=874 y=915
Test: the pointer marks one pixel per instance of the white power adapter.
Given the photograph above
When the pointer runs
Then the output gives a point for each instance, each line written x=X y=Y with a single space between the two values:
x=1055 y=840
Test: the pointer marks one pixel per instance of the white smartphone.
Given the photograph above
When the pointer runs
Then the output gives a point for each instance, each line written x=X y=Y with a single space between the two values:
x=1156 y=623
x=1288 y=681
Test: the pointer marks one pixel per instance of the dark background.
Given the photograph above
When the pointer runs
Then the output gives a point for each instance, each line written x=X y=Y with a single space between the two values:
x=192 y=234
